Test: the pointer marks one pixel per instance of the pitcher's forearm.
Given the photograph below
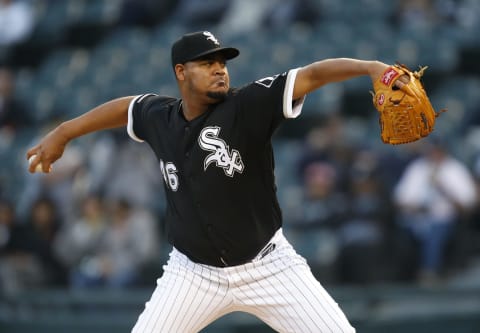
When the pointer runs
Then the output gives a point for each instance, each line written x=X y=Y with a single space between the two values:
x=317 y=74
x=51 y=147
x=335 y=70
x=111 y=114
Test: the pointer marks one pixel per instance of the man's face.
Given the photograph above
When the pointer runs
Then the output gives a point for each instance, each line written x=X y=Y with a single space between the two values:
x=206 y=77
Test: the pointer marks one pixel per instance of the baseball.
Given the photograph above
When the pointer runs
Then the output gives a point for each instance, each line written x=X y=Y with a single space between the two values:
x=38 y=168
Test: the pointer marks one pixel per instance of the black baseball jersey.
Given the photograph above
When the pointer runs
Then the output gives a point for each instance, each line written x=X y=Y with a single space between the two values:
x=218 y=168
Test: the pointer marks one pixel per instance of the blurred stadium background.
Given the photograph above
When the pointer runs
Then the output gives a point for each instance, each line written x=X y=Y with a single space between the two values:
x=80 y=53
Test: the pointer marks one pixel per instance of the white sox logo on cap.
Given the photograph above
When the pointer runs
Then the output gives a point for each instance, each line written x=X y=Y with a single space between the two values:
x=211 y=37
x=229 y=161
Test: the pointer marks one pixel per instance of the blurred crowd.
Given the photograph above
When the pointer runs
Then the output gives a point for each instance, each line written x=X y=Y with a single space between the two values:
x=359 y=213
x=405 y=214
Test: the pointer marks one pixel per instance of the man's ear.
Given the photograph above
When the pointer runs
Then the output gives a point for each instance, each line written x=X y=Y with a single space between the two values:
x=180 y=72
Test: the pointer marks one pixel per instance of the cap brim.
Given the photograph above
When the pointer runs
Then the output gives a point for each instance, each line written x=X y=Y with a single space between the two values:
x=228 y=52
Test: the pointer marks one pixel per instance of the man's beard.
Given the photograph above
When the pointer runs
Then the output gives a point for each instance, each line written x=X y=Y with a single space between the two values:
x=217 y=95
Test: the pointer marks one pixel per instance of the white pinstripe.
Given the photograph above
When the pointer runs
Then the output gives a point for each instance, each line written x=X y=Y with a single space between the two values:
x=279 y=289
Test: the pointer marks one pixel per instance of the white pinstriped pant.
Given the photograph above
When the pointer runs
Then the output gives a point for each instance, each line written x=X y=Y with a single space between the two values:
x=278 y=288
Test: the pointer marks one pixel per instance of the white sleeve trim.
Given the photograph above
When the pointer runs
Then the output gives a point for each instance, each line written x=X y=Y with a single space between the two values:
x=130 y=131
x=291 y=110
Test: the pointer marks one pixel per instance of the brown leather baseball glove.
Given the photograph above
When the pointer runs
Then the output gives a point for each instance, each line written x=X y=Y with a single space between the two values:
x=406 y=113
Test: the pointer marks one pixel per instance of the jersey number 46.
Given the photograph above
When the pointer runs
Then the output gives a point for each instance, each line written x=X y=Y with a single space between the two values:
x=169 y=172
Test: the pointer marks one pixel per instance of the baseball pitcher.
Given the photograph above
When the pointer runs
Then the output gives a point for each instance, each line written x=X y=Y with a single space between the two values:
x=214 y=151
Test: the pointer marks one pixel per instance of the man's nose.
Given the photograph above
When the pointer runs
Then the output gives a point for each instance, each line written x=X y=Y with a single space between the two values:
x=219 y=68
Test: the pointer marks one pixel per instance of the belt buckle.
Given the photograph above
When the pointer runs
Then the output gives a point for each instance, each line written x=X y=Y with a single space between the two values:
x=266 y=250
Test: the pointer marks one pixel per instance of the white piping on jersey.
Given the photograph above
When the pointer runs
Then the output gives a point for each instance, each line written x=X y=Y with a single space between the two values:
x=291 y=110
x=130 y=131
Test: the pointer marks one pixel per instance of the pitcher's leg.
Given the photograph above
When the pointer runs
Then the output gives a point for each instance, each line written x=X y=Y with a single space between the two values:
x=187 y=298
x=281 y=290
x=292 y=300
x=311 y=305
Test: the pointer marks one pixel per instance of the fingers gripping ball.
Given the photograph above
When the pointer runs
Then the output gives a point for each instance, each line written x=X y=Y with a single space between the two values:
x=406 y=114
x=38 y=168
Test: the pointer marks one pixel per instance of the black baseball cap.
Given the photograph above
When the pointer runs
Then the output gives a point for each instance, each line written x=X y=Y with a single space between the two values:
x=195 y=45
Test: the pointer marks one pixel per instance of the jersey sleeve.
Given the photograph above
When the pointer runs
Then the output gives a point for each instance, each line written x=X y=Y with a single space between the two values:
x=291 y=108
x=139 y=112
x=269 y=101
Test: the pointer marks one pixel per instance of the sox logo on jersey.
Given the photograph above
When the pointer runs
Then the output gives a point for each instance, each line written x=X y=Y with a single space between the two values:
x=229 y=161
